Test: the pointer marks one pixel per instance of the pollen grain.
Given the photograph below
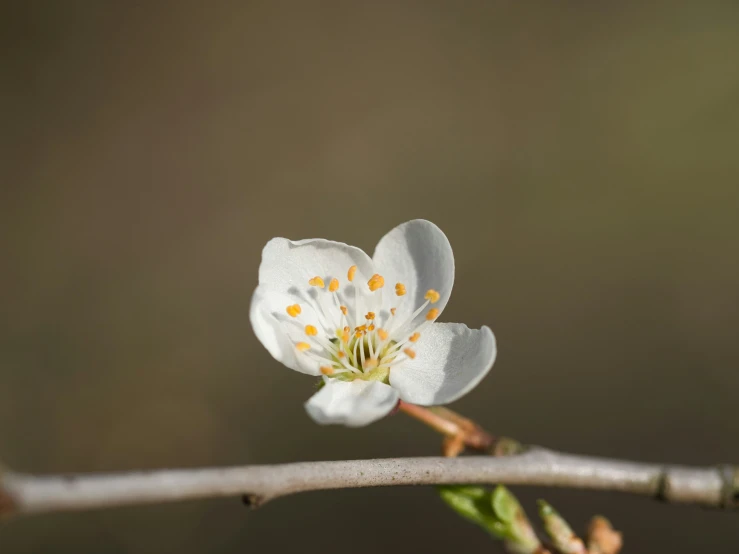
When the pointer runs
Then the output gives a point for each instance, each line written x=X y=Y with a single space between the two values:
x=376 y=282
x=432 y=296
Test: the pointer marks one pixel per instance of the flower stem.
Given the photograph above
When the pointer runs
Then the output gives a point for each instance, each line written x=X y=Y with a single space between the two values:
x=460 y=432
x=425 y=415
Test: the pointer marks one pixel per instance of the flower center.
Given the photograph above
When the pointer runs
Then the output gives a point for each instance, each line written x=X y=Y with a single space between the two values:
x=351 y=341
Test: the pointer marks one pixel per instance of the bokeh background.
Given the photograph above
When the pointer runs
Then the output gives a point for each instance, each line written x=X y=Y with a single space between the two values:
x=581 y=157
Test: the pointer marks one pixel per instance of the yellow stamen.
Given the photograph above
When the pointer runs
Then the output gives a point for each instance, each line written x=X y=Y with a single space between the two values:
x=370 y=315
x=359 y=334
x=410 y=352
x=414 y=337
x=345 y=336
x=371 y=327
x=311 y=331
x=341 y=355
x=343 y=310
x=432 y=296
x=433 y=313
x=302 y=346
x=333 y=286
x=370 y=364
x=382 y=334
x=293 y=310
x=350 y=274
x=361 y=328
x=316 y=282
x=376 y=282
x=326 y=370
x=399 y=289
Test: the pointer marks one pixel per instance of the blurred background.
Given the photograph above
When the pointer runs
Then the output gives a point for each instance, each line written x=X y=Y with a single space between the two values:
x=581 y=157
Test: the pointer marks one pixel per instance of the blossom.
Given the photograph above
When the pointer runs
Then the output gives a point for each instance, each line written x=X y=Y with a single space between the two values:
x=368 y=326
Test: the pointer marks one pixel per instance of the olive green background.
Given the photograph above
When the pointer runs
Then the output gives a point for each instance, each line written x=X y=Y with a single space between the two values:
x=580 y=156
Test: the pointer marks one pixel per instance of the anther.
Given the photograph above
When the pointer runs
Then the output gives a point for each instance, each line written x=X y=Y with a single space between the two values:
x=414 y=337
x=359 y=334
x=382 y=334
x=399 y=289
x=432 y=296
x=327 y=370
x=302 y=346
x=333 y=285
x=316 y=282
x=409 y=352
x=345 y=336
x=393 y=310
x=370 y=315
x=361 y=328
x=350 y=274
x=371 y=327
x=293 y=310
x=376 y=282
x=311 y=331
x=341 y=355
x=433 y=313
x=343 y=310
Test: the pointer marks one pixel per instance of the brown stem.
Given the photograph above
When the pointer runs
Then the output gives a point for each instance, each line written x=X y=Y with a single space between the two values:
x=425 y=415
x=460 y=432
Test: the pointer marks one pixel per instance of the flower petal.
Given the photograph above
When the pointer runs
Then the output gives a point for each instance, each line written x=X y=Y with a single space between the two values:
x=277 y=331
x=288 y=265
x=450 y=360
x=417 y=254
x=352 y=403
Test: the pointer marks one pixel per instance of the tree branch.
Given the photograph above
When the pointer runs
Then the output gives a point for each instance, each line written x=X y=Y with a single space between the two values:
x=716 y=487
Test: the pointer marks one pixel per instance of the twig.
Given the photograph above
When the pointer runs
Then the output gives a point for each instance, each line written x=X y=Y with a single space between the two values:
x=716 y=487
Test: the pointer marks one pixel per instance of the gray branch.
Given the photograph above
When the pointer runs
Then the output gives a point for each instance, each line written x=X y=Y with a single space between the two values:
x=717 y=487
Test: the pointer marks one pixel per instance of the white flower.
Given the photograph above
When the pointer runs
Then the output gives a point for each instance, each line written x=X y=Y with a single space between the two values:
x=368 y=324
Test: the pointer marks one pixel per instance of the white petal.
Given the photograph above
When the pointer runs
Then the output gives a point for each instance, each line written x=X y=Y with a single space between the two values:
x=450 y=360
x=288 y=265
x=352 y=403
x=278 y=332
x=417 y=254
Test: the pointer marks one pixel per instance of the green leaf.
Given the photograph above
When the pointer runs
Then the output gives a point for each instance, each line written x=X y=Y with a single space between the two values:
x=473 y=504
x=504 y=504
x=497 y=511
